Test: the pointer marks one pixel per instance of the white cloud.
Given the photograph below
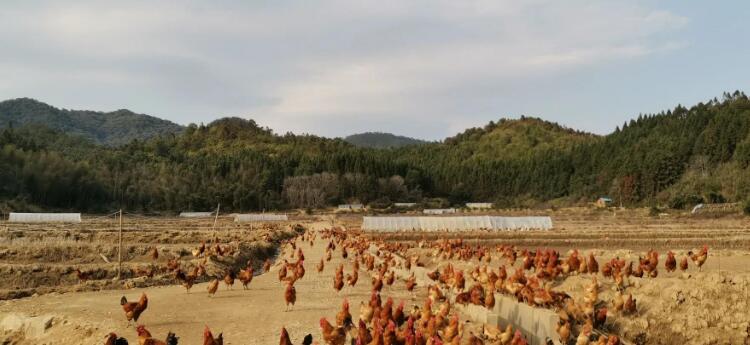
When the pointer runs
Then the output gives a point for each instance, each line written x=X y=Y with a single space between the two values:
x=305 y=66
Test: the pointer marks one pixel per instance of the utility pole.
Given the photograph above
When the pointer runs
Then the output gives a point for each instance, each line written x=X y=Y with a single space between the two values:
x=218 y=206
x=119 y=251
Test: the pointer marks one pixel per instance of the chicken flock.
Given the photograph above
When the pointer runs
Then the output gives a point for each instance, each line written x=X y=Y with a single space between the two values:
x=464 y=278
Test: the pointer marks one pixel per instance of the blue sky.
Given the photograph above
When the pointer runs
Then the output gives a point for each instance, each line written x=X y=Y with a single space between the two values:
x=426 y=69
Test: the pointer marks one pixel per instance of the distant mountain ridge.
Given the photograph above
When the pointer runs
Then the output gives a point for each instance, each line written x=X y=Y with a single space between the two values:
x=381 y=140
x=108 y=128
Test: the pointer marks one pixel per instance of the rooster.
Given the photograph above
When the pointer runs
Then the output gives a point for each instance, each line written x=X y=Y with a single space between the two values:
x=290 y=295
x=700 y=258
x=133 y=310
x=332 y=335
x=186 y=280
x=113 y=339
x=208 y=338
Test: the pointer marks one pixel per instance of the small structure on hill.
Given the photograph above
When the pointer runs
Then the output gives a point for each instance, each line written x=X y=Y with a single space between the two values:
x=603 y=202
x=16 y=217
x=405 y=204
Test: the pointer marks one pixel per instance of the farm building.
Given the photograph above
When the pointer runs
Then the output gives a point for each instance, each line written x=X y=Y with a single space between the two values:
x=260 y=217
x=455 y=223
x=351 y=207
x=603 y=202
x=44 y=217
x=439 y=210
x=405 y=204
x=196 y=214
x=479 y=205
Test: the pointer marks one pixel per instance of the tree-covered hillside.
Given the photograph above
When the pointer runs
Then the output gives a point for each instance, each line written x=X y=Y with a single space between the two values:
x=675 y=158
x=113 y=128
x=381 y=140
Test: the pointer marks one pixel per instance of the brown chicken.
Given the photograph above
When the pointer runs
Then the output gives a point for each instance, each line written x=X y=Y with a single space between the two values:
x=229 y=279
x=684 y=264
x=155 y=254
x=671 y=263
x=246 y=277
x=284 y=337
x=133 y=310
x=320 y=266
x=290 y=295
x=145 y=338
x=212 y=287
x=351 y=279
x=593 y=266
x=82 y=276
x=332 y=335
x=411 y=283
x=266 y=266
x=630 y=305
x=344 y=317
x=208 y=338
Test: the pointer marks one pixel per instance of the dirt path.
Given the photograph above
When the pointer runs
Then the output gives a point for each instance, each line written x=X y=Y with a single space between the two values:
x=253 y=316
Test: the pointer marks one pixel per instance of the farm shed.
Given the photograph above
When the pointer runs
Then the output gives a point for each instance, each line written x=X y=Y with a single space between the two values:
x=44 y=217
x=196 y=214
x=439 y=210
x=455 y=223
x=479 y=205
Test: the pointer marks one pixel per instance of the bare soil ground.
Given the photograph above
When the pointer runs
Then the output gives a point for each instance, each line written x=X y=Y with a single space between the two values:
x=707 y=307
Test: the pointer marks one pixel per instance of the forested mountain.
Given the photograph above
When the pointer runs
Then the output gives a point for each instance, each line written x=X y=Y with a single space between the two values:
x=674 y=158
x=112 y=128
x=381 y=140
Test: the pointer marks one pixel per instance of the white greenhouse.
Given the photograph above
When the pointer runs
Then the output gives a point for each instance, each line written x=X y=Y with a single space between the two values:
x=260 y=217
x=196 y=214
x=439 y=210
x=44 y=217
x=479 y=205
x=455 y=223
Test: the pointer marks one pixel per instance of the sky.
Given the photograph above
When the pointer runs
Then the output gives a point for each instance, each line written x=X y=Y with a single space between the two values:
x=426 y=69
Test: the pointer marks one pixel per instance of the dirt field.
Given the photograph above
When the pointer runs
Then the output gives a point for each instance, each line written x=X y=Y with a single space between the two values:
x=692 y=307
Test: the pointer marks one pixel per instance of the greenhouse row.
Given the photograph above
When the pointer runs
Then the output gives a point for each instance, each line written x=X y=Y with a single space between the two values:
x=196 y=214
x=260 y=217
x=455 y=223
x=15 y=217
